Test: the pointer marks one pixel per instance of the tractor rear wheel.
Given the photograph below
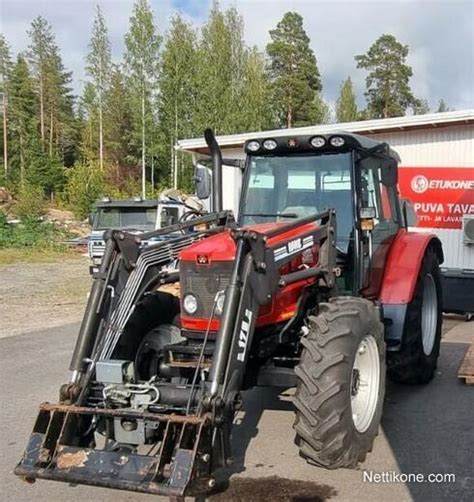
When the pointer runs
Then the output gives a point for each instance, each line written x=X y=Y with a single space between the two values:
x=341 y=383
x=416 y=362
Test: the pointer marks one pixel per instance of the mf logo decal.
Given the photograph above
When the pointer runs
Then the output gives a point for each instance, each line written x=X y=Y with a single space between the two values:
x=244 y=334
x=419 y=183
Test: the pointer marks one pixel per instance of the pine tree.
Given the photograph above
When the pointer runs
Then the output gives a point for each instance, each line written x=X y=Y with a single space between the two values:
x=98 y=65
x=388 y=90
x=294 y=72
x=52 y=85
x=23 y=121
x=5 y=69
x=142 y=62
x=421 y=107
x=443 y=107
x=89 y=123
x=346 y=107
x=118 y=120
x=39 y=56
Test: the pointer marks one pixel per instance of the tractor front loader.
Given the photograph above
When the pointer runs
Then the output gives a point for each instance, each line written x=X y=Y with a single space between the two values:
x=316 y=285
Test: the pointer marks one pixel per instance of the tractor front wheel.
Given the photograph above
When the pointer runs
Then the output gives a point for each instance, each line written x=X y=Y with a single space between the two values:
x=341 y=383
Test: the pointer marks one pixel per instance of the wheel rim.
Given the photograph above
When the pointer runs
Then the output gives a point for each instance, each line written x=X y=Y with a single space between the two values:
x=365 y=383
x=429 y=314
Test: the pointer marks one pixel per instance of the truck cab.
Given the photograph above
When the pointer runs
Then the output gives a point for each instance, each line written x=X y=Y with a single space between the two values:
x=134 y=215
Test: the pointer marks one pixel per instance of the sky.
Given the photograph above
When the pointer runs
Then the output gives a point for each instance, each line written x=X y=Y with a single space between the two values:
x=440 y=34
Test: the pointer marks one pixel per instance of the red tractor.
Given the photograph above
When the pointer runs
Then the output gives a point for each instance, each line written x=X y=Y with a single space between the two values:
x=318 y=285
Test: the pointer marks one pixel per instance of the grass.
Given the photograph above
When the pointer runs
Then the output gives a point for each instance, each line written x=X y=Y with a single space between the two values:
x=35 y=255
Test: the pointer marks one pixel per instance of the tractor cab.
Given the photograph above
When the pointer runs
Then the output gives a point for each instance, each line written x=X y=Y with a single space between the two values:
x=291 y=177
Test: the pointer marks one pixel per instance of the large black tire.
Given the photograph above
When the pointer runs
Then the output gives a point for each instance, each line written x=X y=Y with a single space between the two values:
x=414 y=363
x=150 y=351
x=327 y=435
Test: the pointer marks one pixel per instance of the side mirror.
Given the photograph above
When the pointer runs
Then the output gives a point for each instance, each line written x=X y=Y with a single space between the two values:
x=90 y=219
x=390 y=173
x=409 y=214
x=202 y=179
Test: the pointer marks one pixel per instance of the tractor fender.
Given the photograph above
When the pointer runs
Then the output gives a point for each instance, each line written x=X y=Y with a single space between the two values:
x=401 y=273
x=404 y=263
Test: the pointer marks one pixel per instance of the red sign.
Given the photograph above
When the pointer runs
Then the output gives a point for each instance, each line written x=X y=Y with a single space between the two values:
x=440 y=195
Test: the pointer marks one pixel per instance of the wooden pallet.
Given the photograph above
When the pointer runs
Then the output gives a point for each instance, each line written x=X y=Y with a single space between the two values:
x=466 y=371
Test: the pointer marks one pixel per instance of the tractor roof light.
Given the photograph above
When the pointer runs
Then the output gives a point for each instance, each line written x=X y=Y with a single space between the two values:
x=269 y=144
x=337 y=141
x=253 y=146
x=318 y=141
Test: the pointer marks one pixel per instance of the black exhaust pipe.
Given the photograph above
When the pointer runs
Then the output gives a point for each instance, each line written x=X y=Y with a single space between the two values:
x=216 y=156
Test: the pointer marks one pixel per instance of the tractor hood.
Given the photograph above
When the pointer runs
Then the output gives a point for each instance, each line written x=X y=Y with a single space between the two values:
x=221 y=247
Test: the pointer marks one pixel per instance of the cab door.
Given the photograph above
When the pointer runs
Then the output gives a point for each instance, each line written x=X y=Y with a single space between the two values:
x=376 y=243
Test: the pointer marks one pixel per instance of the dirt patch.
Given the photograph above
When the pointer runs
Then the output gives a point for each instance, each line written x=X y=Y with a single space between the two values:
x=36 y=296
x=275 y=489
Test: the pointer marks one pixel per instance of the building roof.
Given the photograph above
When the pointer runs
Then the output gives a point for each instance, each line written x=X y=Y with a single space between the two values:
x=427 y=121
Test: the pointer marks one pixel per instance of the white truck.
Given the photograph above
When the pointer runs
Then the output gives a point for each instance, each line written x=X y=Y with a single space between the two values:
x=137 y=216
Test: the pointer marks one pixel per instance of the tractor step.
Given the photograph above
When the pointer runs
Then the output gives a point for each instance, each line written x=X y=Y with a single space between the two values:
x=167 y=468
x=466 y=370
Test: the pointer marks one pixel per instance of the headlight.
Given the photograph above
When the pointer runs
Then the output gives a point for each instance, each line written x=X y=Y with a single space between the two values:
x=269 y=144
x=253 y=146
x=190 y=304
x=318 y=142
x=337 y=141
x=220 y=302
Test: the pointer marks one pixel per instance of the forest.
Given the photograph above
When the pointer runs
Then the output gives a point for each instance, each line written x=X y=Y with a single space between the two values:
x=117 y=137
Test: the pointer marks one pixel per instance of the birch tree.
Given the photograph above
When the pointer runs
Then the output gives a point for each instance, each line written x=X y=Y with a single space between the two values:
x=98 y=65
x=142 y=63
x=5 y=68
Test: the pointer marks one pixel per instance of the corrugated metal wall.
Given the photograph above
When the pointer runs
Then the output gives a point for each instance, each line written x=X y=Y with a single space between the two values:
x=441 y=147
x=435 y=147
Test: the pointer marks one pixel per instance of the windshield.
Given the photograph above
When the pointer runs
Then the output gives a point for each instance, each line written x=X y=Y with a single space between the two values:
x=169 y=216
x=288 y=187
x=139 y=218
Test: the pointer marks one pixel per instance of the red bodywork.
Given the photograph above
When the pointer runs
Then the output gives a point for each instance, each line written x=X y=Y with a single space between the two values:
x=221 y=248
x=396 y=276
x=403 y=265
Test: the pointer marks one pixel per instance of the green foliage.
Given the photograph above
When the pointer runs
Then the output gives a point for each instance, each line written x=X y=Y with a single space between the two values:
x=30 y=202
x=388 y=90
x=294 y=72
x=443 y=107
x=31 y=233
x=421 y=107
x=23 y=124
x=131 y=114
x=346 y=107
x=83 y=187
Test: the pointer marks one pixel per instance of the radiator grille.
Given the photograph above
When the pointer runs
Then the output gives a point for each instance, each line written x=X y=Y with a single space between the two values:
x=204 y=282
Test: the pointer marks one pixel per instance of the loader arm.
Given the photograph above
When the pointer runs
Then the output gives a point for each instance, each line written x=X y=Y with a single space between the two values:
x=190 y=422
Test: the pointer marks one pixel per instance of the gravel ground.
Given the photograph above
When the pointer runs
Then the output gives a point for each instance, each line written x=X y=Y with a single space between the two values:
x=38 y=296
